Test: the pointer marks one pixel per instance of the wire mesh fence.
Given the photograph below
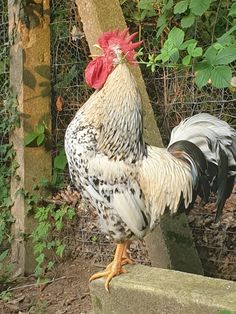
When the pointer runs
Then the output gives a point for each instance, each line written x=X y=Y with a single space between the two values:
x=4 y=76
x=174 y=97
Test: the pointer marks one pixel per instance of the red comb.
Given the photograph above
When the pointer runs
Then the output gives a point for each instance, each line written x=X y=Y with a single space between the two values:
x=108 y=40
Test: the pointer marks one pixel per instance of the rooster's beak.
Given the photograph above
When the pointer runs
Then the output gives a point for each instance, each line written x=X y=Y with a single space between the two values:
x=95 y=56
x=97 y=46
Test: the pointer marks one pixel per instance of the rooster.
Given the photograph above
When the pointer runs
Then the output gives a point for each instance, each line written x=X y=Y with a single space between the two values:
x=130 y=183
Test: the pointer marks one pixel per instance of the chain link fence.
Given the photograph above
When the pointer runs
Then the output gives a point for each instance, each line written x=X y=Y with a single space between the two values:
x=173 y=96
x=4 y=88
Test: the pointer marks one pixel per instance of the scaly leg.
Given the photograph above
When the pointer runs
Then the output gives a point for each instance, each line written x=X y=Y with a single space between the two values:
x=114 y=268
x=125 y=257
x=126 y=260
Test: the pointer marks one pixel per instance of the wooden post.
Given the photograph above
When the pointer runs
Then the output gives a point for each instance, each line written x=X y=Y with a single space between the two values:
x=97 y=17
x=30 y=81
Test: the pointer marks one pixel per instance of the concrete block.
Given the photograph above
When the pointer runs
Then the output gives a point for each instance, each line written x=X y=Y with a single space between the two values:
x=160 y=291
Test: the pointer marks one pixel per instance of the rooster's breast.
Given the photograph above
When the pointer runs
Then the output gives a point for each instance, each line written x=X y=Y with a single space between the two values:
x=107 y=185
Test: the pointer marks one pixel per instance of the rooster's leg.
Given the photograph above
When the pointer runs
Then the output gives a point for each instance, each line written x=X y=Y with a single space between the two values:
x=114 y=268
x=125 y=257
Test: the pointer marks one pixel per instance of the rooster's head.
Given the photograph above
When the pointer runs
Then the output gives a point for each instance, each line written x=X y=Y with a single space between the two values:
x=117 y=47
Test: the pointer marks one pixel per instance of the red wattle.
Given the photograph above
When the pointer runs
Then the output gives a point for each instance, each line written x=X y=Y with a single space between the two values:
x=97 y=71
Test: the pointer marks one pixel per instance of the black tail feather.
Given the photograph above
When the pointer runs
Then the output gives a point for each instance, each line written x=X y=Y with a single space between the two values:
x=211 y=178
x=221 y=182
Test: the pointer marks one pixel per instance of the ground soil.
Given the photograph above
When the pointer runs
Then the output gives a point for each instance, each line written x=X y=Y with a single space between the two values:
x=68 y=291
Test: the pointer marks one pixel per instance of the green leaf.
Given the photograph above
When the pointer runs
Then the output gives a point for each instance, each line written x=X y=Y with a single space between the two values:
x=191 y=48
x=40 y=139
x=186 y=60
x=187 y=21
x=30 y=137
x=218 y=46
x=203 y=74
x=198 y=7
x=40 y=259
x=60 y=250
x=60 y=161
x=227 y=39
x=187 y=43
x=221 y=76
x=226 y=56
x=169 y=5
x=232 y=11
x=174 y=55
x=176 y=35
x=197 y=52
x=50 y=265
x=210 y=55
x=161 y=21
x=181 y=7
x=40 y=129
x=168 y=45
x=3 y=255
x=145 y=5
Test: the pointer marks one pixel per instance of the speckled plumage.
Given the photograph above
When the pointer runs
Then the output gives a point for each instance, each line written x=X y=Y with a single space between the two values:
x=129 y=183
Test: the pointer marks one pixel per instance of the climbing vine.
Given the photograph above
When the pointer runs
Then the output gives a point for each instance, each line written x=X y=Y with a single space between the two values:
x=190 y=33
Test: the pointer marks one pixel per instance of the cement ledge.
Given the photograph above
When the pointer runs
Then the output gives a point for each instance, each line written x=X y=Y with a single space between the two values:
x=161 y=291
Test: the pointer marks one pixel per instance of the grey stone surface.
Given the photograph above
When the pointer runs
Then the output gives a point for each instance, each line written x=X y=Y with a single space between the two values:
x=160 y=291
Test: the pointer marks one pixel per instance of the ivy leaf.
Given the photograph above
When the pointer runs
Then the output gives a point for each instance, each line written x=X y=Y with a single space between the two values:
x=40 y=129
x=60 y=160
x=30 y=138
x=176 y=35
x=186 y=60
x=198 y=7
x=226 y=56
x=221 y=76
x=187 y=21
x=50 y=265
x=40 y=259
x=40 y=139
x=60 y=250
x=203 y=74
x=232 y=11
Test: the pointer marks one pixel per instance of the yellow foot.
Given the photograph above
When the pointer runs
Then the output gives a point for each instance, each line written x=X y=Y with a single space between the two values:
x=127 y=261
x=114 y=268
x=109 y=273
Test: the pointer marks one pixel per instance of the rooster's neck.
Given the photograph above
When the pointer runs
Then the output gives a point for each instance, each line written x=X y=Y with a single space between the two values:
x=116 y=111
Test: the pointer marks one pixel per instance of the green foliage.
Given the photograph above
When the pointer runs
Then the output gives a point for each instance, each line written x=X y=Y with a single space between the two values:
x=47 y=246
x=5 y=296
x=193 y=33
x=65 y=78
x=37 y=137
x=10 y=118
x=59 y=166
